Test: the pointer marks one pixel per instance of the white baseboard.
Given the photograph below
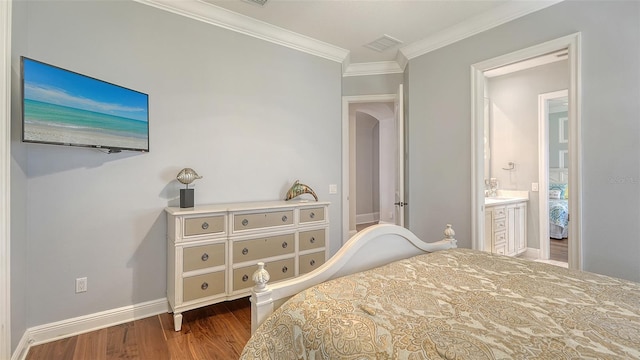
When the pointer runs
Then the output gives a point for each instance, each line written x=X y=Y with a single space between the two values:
x=533 y=254
x=22 y=349
x=367 y=218
x=70 y=327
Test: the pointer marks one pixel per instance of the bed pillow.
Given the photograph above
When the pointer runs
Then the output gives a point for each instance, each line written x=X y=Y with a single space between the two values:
x=561 y=187
x=554 y=194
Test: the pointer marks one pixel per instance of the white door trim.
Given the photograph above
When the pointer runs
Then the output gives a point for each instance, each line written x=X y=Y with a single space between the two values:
x=572 y=43
x=543 y=168
x=400 y=156
x=5 y=164
x=346 y=161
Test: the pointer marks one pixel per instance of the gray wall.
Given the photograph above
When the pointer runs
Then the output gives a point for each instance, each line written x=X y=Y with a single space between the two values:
x=440 y=127
x=514 y=131
x=238 y=110
x=371 y=84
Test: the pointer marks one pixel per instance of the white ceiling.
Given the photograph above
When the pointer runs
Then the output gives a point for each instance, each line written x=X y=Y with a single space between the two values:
x=350 y=24
x=340 y=29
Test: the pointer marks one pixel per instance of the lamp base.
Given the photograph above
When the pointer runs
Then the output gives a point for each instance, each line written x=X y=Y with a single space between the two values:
x=186 y=198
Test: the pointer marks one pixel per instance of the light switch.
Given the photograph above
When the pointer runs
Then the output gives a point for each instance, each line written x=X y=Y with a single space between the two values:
x=333 y=188
x=534 y=186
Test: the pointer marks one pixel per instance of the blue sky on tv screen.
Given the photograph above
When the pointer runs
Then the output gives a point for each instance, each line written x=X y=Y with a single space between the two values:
x=53 y=85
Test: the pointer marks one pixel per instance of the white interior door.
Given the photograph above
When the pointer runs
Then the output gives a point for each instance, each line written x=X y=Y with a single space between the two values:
x=399 y=188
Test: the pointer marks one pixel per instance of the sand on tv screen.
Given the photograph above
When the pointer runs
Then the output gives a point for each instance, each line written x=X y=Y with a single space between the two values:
x=66 y=108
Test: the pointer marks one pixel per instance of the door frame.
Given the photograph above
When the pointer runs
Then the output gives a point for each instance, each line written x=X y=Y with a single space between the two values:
x=346 y=159
x=5 y=168
x=543 y=168
x=573 y=44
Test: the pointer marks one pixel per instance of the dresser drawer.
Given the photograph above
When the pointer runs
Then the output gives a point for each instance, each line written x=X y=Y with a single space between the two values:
x=196 y=287
x=499 y=225
x=311 y=214
x=278 y=270
x=311 y=239
x=310 y=262
x=203 y=225
x=262 y=220
x=500 y=249
x=498 y=212
x=263 y=247
x=200 y=257
x=500 y=237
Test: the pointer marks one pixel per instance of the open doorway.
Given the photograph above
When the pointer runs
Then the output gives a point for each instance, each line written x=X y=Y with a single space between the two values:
x=553 y=113
x=372 y=161
x=479 y=86
x=368 y=122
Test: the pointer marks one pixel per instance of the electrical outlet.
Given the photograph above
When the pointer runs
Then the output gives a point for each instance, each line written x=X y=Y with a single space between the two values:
x=333 y=189
x=534 y=186
x=81 y=285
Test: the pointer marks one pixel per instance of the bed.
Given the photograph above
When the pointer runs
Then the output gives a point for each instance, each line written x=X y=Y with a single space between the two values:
x=559 y=218
x=442 y=302
x=558 y=203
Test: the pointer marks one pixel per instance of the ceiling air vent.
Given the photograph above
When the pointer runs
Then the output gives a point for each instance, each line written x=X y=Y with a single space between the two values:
x=384 y=43
x=257 y=2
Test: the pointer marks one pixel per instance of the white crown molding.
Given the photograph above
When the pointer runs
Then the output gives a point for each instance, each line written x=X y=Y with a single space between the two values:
x=485 y=21
x=401 y=60
x=373 y=68
x=233 y=21
x=83 y=324
x=211 y=14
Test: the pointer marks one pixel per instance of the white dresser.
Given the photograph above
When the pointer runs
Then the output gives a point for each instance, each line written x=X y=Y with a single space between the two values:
x=505 y=227
x=213 y=249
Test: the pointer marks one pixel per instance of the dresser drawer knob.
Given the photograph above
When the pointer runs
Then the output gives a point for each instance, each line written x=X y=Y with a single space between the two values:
x=205 y=257
x=245 y=251
x=312 y=215
x=285 y=269
x=312 y=240
x=312 y=262
x=245 y=277
x=284 y=218
x=204 y=286
x=205 y=225
x=245 y=222
x=284 y=245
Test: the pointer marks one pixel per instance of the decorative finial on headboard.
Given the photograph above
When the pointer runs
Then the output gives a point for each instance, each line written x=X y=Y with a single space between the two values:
x=260 y=278
x=449 y=235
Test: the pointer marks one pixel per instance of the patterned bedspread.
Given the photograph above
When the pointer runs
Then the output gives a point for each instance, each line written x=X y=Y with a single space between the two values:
x=457 y=304
x=559 y=212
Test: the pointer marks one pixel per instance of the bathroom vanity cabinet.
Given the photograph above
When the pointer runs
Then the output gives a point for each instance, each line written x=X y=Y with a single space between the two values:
x=506 y=227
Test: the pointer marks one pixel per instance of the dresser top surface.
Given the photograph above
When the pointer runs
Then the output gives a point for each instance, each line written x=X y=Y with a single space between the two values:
x=244 y=206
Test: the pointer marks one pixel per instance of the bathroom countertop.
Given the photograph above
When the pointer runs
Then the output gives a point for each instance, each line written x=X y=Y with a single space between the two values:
x=493 y=201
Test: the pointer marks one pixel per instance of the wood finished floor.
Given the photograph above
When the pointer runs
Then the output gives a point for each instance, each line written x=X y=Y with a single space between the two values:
x=558 y=250
x=360 y=227
x=218 y=331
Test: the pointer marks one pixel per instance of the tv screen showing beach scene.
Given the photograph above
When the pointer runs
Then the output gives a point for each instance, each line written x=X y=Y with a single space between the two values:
x=66 y=108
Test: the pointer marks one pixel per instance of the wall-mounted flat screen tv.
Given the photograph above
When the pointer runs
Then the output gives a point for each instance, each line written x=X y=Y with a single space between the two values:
x=62 y=107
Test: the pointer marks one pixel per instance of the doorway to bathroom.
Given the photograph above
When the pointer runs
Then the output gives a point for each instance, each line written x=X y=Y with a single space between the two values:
x=479 y=105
